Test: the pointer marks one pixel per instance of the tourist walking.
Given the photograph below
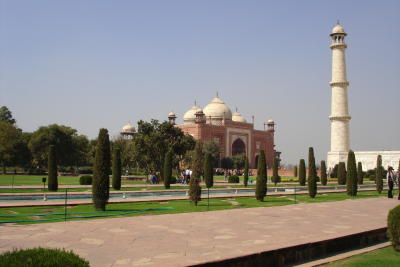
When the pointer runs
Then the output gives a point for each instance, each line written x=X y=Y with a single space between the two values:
x=390 y=180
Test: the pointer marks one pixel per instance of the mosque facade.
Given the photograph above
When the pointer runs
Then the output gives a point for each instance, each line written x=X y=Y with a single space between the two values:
x=230 y=131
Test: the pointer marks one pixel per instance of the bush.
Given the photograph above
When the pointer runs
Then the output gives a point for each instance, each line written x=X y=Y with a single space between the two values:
x=233 y=179
x=44 y=257
x=393 y=229
x=85 y=180
x=173 y=180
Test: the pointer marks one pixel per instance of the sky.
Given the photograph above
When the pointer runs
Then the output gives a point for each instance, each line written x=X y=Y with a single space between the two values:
x=94 y=64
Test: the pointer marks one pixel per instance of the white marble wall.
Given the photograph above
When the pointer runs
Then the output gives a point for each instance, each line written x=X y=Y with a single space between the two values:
x=367 y=158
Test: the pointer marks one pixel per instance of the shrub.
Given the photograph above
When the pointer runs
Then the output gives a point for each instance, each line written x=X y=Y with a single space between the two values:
x=102 y=165
x=44 y=257
x=116 y=169
x=360 y=174
x=351 y=178
x=393 y=229
x=302 y=172
x=246 y=172
x=52 y=169
x=312 y=174
x=167 y=169
x=324 y=178
x=341 y=175
x=85 y=180
x=261 y=181
x=379 y=174
x=208 y=170
x=233 y=179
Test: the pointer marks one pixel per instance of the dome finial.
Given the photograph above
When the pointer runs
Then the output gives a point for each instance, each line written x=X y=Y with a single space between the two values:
x=338 y=22
x=217 y=94
x=195 y=103
x=236 y=109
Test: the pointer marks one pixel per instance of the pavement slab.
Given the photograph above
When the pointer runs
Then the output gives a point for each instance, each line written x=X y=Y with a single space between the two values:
x=189 y=238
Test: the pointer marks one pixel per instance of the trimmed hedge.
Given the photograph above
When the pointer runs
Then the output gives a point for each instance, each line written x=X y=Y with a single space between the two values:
x=233 y=179
x=393 y=229
x=41 y=257
x=85 y=180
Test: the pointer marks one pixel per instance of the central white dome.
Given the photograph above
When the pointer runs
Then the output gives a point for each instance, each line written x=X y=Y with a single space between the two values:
x=217 y=109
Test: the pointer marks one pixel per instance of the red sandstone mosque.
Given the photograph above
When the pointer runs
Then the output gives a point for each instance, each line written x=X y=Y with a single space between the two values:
x=230 y=131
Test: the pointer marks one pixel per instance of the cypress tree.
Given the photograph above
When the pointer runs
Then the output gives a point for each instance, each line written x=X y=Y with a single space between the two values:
x=295 y=171
x=302 y=172
x=275 y=176
x=341 y=175
x=324 y=178
x=116 y=169
x=261 y=181
x=246 y=172
x=379 y=174
x=101 y=180
x=167 y=169
x=360 y=175
x=52 y=169
x=351 y=177
x=312 y=174
x=194 y=183
x=208 y=170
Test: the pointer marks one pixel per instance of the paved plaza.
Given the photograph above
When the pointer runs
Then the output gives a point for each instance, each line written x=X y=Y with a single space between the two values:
x=189 y=238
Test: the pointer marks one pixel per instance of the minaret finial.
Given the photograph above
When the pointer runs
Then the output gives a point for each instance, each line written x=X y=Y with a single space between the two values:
x=338 y=22
x=195 y=103
x=217 y=94
x=236 y=109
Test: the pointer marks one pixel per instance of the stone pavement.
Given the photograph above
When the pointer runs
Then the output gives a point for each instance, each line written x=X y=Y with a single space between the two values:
x=189 y=238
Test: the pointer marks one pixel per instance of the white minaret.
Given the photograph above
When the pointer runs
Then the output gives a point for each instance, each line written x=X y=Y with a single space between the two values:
x=340 y=140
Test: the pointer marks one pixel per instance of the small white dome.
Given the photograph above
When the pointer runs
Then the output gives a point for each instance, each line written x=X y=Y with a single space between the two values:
x=270 y=121
x=128 y=128
x=171 y=114
x=338 y=29
x=217 y=109
x=236 y=116
x=190 y=115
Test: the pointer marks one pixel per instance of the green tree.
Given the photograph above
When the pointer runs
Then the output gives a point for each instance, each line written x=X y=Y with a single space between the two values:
x=275 y=175
x=154 y=139
x=238 y=161
x=168 y=169
x=379 y=174
x=324 y=178
x=70 y=147
x=116 y=169
x=194 y=183
x=312 y=174
x=212 y=148
x=227 y=163
x=52 y=169
x=341 y=173
x=295 y=171
x=351 y=177
x=261 y=181
x=6 y=115
x=360 y=174
x=302 y=172
x=246 y=172
x=208 y=170
x=101 y=180
x=9 y=136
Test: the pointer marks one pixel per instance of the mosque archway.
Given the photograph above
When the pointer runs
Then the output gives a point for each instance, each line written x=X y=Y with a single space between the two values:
x=238 y=147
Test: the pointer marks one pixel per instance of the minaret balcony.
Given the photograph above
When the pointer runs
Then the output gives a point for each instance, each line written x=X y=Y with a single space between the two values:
x=339 y=118
x=346 y=83
x=338 y=45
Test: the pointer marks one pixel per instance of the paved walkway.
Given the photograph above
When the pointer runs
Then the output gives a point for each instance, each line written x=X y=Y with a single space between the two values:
x=188 y=238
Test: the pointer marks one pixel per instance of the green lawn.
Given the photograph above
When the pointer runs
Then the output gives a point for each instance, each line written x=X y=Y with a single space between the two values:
x=385 y=257
x=79 y=212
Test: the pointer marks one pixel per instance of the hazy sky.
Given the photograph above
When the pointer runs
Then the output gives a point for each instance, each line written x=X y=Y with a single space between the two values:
x=93 y=64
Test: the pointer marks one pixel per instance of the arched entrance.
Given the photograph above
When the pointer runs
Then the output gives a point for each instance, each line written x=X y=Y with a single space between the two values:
x=238 y=147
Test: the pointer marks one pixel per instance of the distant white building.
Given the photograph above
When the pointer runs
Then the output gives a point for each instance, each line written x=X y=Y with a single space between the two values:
x=340 y=117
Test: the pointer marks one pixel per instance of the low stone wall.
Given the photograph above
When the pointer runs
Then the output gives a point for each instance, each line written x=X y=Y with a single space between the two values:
x=305 y=252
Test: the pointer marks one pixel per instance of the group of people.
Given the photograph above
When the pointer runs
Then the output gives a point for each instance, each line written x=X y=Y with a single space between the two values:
x=392 y=178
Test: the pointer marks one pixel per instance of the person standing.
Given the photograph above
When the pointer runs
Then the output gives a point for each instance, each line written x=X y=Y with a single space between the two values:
x=390 y=180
